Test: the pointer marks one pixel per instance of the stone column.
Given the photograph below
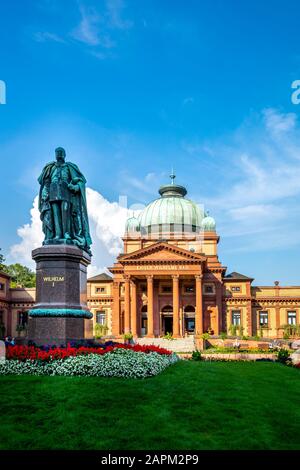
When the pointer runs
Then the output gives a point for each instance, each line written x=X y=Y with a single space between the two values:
x=133 y=309
x=249 y=319
x=277 y=319
x=116 y=309
x=127 y=305
x=199 y=305
x=176 y=328
x=219 y=307
x=150 y=324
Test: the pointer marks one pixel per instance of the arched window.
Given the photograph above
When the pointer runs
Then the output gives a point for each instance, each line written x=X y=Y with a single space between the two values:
x=189 y=309
x=167 y=309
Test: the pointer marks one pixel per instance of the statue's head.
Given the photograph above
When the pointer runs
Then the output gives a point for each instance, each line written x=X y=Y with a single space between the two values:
x=60 y=154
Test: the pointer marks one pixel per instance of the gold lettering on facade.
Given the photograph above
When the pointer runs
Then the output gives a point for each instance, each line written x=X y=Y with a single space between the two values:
x=161 y=267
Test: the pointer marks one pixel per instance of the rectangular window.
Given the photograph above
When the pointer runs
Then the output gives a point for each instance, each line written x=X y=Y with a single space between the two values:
x=236 y=317
x=263 y=318
x=101 y=317
x=292 y=318
x=208 y=289
x=235 y=288
x=2 y=286
x=166 y=289
x=100 y=290
x=189 y=289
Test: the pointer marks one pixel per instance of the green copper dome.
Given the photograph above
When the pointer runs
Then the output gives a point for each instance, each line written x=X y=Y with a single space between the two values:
x=132 y=225
x=172 y=212
x=208 y=224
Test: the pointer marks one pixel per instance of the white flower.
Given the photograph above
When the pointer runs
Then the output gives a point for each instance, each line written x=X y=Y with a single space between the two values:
x=117 y=363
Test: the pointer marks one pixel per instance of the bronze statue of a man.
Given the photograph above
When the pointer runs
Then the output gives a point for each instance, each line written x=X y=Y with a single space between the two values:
x=62 y=203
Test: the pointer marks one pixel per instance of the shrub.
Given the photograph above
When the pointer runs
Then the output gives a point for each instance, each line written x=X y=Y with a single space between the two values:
x=128 y=337
x=100 y=330
x=234 y=330
x=205 y=336
x=283 y=355
x=168 y=336
x=196 y=355
x=223 y=335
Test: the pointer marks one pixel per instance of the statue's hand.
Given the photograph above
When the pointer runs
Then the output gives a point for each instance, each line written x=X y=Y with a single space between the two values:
x=73 y=187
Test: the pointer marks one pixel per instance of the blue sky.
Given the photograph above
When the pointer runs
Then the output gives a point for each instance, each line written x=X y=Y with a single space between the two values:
x=132 y=88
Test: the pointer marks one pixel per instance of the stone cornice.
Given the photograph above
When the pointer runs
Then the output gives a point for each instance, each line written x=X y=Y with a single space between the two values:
x=266 y=300
x=276 y=300
x=143 y=262
x=232 y=300
x=161 y=246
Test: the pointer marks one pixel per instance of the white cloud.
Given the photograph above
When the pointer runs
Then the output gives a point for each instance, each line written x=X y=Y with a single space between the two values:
x=88 y=30
x=107 y=223
x=96 y=30
x=114 y=11
x=31 y=235
x=278 y=123
x=255 y=196
x=108 y=220
x=46 y=36
x=188 y=100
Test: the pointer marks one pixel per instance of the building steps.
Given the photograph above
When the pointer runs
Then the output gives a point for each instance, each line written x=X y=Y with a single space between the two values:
x=176 y=345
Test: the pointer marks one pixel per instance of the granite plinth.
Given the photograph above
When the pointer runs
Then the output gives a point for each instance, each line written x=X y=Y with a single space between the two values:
x=61 y=294
x=55 y=330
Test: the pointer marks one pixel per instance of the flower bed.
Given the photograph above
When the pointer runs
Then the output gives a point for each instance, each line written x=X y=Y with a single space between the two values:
x=225 y=350
x=112 y=361
x=239 y=357
x=49 y=353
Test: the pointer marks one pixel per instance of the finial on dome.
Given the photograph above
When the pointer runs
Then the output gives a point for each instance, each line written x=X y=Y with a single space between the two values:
x=172 y=176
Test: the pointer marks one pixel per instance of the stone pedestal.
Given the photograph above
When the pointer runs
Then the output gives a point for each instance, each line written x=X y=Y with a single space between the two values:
x=61 y=295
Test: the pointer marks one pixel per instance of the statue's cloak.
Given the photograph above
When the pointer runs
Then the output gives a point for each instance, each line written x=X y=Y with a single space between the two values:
x=45 y=179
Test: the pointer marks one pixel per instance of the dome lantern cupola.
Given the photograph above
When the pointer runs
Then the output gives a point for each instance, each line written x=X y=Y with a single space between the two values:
x=132 y=225
x=208 y=223
x=174 y=190
x=171 y=213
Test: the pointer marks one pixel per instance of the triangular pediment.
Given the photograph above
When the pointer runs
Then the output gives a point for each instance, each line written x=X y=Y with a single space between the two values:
x=161 y=251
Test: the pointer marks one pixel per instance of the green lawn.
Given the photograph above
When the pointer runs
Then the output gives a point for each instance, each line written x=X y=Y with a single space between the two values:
x=192 y=405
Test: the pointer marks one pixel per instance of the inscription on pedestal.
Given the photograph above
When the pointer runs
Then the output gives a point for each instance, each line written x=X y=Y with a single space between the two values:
x=54 y=279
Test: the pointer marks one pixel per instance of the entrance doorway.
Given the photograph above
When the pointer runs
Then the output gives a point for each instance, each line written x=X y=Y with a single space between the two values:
x=144 y=321
x=189 y=319
x=167 y=319
x=168 y=325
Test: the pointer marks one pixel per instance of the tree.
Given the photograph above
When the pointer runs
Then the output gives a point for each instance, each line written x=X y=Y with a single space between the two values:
x=2 y=259
x=21 y=276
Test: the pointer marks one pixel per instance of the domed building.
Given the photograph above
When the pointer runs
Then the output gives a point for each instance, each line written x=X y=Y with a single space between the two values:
x=169 y=280
x=170 y=272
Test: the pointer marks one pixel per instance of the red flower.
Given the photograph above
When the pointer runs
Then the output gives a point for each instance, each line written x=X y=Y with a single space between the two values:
x=22 y=353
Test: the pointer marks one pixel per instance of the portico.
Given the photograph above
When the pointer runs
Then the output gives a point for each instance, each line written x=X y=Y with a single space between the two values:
x=159 y=283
